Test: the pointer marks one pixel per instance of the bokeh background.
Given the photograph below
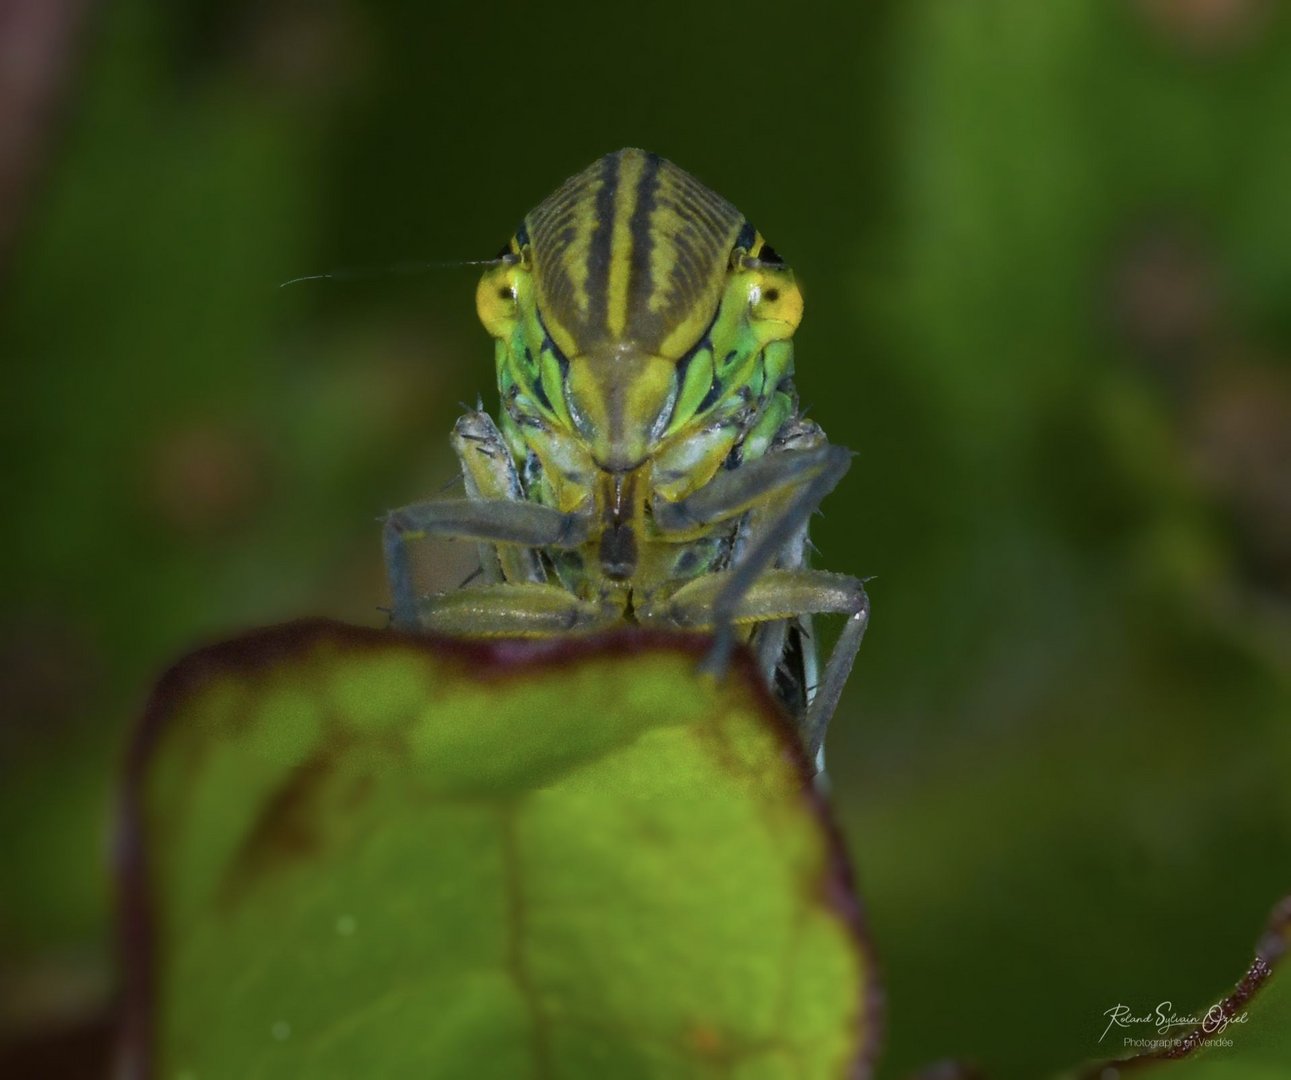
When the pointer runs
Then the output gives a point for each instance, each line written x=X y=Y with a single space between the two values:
x=1046 y=250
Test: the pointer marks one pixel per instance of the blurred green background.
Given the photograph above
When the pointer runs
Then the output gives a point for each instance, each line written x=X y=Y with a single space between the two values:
x=1046 y=250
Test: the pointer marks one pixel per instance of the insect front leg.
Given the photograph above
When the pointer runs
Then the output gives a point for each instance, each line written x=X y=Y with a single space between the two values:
x=489 y=473
x=778 y=595
x=802 y=477
x=497 y=521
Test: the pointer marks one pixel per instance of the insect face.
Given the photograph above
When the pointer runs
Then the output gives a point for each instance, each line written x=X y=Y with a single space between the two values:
x=634 y=305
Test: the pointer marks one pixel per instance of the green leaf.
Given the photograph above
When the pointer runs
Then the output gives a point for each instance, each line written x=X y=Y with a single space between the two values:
x=350 y=853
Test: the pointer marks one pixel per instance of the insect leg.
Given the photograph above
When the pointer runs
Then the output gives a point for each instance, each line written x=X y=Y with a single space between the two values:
x=837 y=668
x=490 y=475
x=526 y=609
x=814 y=473
x=495 y=521
x=779 y=595
x=734 y=491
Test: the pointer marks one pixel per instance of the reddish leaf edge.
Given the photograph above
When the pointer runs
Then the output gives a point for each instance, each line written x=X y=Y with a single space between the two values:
x=1272 y=946
x=1270 y=951
x=484 y=660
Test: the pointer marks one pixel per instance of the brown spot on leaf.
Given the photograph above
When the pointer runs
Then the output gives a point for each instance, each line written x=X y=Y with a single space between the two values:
x=289 y=825
x=292 y=824
x=705 y=1040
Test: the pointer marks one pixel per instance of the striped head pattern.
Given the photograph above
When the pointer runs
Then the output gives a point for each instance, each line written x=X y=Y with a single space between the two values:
x=631 y=303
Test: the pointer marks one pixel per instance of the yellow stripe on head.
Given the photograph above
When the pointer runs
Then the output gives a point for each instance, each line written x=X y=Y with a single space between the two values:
x=631 y=250
x=617 y=303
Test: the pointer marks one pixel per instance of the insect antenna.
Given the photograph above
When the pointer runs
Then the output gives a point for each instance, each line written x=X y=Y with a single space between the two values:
x=401 y=269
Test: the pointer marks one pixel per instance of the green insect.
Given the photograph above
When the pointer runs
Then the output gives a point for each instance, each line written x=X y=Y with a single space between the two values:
x=650 y=465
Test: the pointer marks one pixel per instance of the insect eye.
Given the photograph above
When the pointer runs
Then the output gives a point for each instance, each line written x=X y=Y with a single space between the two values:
x=775 y=305
x=496 y=300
